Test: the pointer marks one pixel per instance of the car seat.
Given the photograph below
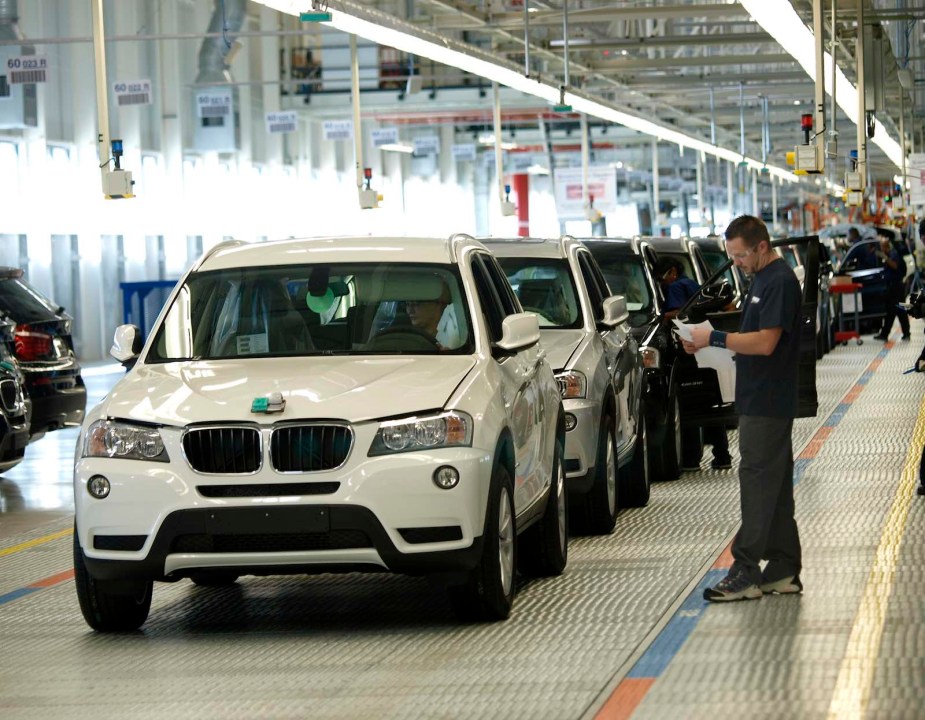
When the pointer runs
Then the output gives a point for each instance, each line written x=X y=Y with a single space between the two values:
x=266 y=312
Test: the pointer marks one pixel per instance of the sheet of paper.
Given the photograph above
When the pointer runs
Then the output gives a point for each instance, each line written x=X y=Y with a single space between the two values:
x=720 y=359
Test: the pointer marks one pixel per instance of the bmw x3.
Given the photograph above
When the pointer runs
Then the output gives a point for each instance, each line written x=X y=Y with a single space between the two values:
x=599 y=369
x=326 y=405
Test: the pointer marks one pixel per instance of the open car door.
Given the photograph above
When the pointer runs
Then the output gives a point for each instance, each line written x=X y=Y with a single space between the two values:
x=699 y=393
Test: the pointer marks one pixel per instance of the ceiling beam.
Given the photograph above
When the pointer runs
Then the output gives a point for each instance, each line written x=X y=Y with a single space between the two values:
x=580 y=44
x=597 y=15
x=622 y=65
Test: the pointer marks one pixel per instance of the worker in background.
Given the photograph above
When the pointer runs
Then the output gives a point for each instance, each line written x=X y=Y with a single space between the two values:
x=894 y=271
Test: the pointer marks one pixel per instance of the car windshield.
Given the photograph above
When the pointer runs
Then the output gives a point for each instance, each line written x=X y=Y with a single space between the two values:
x=544 y=287
x=716 y=259
x=23 y=303
x=323 y=309
x=624 y=272
x=861 y=256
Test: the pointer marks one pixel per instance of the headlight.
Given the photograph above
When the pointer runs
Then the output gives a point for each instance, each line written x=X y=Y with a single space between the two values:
x=119 y=440
x=449 y=429
x=651 y=357
x=572 y=384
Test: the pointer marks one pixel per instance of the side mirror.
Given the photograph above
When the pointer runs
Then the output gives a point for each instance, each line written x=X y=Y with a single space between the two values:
x=126 y=344
x=615 y=311
x=518 y=332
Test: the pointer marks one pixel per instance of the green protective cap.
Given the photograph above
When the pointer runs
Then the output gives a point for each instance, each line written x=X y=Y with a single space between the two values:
x=320 y=303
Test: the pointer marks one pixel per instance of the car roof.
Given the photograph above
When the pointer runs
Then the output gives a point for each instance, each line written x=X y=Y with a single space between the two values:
x=237 y=253
x=528 y=247
x=667 y=244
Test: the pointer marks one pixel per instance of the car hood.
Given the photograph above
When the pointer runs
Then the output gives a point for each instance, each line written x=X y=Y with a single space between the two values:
x=347 y=388
x=559 y=345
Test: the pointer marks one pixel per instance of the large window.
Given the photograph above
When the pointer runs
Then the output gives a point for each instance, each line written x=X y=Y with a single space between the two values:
x=545 y=287
x=326 y=309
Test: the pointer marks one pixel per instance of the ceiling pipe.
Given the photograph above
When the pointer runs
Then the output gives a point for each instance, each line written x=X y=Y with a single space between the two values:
x=219 y=48
x=9 y=20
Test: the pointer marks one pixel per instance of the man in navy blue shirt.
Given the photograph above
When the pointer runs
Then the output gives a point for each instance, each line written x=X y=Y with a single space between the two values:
x=767 y=349
x=677 y=286
x=894 y=271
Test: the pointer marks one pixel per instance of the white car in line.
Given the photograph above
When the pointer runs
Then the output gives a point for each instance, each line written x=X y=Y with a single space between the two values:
x=600 y=372
x=292 y=412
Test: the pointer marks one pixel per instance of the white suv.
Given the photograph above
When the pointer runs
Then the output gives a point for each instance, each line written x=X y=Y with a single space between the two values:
x=599 y=369
x=325 y=405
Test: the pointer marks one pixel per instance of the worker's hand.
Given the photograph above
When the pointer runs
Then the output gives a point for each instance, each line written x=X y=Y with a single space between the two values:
x=700 y=338
x=688 y=346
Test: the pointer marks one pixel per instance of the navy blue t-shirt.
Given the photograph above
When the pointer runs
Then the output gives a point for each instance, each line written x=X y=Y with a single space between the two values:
x=894 y=277
x=679 y=292
x=767 y=385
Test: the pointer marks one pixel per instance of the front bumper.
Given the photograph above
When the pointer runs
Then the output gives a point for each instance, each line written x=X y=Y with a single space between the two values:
x=581 y=444
x=164 y=520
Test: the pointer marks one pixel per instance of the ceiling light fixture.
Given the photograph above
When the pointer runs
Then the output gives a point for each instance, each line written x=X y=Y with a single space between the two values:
x=781 y=22
x=398 y=147
x=383 y=29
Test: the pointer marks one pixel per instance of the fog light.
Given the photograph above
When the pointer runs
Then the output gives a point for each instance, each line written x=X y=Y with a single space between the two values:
x=570 y=422
x=446 y=477
x=98 y=487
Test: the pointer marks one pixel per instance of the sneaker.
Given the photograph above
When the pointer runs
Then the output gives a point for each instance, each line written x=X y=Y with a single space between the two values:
x=690 y=468
x=721 y=463
x=907 y=336
x=920 y=490
x=735 y=586
x=785 y=586
x=881 y=336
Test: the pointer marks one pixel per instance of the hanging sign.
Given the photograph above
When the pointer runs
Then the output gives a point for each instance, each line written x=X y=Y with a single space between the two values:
x=282 y=122
x=213 y=103
x=26 y=69
x=602 y=186
x=134 y=92
x=384 y=136
x=427 y=145
x=464 y=152
x=915 y=172
x=337 y=129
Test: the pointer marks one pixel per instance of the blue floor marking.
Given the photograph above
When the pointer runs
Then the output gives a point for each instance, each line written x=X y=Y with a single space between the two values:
x=16 y=594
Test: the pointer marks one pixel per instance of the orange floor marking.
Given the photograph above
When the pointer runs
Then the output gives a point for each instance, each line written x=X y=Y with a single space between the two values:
x=53 y=579
x=625 y=699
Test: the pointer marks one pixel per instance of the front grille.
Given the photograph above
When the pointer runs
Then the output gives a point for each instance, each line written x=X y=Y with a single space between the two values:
x=310 y=448
x=268 y=489
x=9 y=395
x=259 y=543
x=225 y=450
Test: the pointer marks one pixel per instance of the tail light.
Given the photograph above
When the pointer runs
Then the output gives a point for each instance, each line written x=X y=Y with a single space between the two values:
x=32 y=345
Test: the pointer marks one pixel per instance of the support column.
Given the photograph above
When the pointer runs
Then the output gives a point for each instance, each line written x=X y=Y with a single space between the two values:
x=521 y=183
x=656 y=228
x=730 y=192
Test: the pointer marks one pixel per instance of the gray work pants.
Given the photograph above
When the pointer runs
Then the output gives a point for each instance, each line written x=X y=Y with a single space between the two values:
x=769 y=530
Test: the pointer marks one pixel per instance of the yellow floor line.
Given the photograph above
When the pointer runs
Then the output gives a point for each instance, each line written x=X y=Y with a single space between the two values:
x=852 y=691
x=37 y=541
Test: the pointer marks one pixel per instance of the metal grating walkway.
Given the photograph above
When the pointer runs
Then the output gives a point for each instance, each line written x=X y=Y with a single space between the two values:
x=623 y=633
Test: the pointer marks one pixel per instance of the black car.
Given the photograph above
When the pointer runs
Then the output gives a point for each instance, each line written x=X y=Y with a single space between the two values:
x=713 y=249
x=44 y=350
x=681 y=397
x=14 y=406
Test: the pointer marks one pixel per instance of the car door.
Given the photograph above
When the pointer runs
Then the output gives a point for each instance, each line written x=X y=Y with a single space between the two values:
x=524 y=404
x=616 y=346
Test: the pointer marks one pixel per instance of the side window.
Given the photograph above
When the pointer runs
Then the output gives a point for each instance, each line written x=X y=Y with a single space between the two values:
x=509 y=301
x=596 y=289
x=488 y=299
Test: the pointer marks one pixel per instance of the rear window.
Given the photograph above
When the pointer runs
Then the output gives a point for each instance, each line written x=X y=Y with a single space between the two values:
x=23 y=303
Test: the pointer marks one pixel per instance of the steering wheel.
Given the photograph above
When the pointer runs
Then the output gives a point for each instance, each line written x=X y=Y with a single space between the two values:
x=404 y=337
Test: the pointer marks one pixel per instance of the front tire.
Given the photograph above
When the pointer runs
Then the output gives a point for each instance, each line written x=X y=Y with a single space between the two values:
x=488 y=591
x=671 y=445
x=634 y=477
x=600 y=505
x=545 y=550
x=110 y=605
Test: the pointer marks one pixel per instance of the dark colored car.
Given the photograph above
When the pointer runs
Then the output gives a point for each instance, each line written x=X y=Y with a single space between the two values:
x=862 y=264
x=713 y=249
x=14 y=406
x=43 y=347
x=682 y=397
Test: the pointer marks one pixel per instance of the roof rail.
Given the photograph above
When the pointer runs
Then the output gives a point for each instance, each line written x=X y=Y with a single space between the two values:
x=220 y=246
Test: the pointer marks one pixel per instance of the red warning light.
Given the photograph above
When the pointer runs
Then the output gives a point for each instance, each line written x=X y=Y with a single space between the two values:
x=368 y=173
x=806 y=121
